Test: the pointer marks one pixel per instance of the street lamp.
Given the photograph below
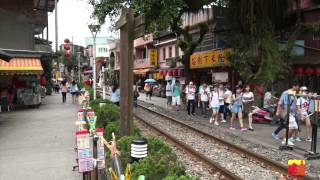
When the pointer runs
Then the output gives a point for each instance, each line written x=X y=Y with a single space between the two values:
x=94 y=30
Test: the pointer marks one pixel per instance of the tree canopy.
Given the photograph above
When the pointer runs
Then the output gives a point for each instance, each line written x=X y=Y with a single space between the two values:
x=255 y=29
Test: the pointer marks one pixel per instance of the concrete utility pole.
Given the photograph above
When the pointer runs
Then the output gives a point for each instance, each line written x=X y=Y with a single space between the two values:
x=130 y=28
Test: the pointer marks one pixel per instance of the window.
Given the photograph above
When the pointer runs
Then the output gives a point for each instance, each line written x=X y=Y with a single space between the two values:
x=170 y=52
x=164 y=53
x=144 y=54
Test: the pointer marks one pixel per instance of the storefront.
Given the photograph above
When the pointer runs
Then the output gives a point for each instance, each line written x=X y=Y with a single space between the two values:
x=21 y=81
x=210 y=67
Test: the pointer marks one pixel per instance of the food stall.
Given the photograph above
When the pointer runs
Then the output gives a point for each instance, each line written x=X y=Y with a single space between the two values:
x=22 y=77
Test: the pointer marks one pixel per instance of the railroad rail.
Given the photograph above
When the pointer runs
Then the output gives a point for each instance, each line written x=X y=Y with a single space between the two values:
x=283 y=169
x=212 y=164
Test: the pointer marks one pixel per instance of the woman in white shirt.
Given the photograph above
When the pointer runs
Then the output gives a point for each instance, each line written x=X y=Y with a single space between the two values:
x=214 y=104
x=204 y=92
x=190 y=92
x=247 y=101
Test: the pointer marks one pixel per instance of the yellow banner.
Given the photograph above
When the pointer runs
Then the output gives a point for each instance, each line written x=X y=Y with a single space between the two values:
x=209 y=59
x=153 y=56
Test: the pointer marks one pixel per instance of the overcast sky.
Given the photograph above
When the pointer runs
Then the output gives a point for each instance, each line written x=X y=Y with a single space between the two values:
x=73 y=20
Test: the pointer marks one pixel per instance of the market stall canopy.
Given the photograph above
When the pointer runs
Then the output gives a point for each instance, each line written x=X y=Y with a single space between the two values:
x=21 y=66
x=141 y=71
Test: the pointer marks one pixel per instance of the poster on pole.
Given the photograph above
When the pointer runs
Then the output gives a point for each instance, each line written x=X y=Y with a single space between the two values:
x=85 y=151
x=100 y=149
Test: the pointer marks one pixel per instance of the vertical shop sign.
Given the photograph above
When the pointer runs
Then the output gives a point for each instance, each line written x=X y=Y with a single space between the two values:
x=85 y=151
x=153 y=55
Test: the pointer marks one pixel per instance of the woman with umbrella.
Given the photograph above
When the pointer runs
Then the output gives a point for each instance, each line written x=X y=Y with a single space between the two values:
x=148 y=87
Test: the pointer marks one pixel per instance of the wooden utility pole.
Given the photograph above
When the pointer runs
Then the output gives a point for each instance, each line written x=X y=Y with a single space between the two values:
x=130 y=28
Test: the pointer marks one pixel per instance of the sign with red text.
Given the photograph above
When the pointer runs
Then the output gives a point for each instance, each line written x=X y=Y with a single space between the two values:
x=207 y=59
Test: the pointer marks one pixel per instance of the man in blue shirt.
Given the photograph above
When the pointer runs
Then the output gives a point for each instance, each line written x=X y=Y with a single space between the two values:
x=282 y=111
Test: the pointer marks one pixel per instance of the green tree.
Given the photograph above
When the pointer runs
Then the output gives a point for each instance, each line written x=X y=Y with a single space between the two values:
x=160 y=15
x=258 y=27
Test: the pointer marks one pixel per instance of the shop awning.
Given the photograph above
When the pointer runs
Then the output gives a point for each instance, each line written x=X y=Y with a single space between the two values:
x=141 y=71
x=21 y=66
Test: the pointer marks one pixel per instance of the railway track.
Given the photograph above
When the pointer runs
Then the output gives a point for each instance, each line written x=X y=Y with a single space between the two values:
x=273 y=165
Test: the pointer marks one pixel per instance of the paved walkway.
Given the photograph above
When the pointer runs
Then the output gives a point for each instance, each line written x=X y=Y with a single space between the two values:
x=37 y=144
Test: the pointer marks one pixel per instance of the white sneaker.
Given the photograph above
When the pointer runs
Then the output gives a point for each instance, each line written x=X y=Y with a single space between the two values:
x=216 y=123
x=211 y=119
x=290 y=143
x=297 y=139
x=223 y=121
x=292 y=139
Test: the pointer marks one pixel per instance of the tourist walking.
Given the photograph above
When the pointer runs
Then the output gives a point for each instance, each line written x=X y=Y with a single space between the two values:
x=214 y=105
x=204 y=92
x=303 y=112
x=282 y=110
x=247 y=100
x=64 y=90
x=135 y=96
x=115 y=95
x=221 y=102
x=237 y=109
x=176 y=92
x=148 y=90
x=74 y=91
x=227 y=101
x=169 y=93
x=190 y=92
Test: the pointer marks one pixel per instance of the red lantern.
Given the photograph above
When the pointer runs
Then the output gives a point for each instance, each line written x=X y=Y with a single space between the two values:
x=66 y=41
x=309 y=71
x=299 y=71
x=318 y=71
x=180 y=73
x=174 y=73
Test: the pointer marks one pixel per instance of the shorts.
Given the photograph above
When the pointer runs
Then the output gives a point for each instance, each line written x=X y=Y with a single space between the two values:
x=74 y=93
x=221 y=109
x=236 y=108
x=215 y=109
x=176 y=100
x=292 y=122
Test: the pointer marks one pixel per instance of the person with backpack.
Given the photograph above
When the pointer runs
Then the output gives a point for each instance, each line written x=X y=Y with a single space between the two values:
x=282 y=113
x=303 y=112
x=74 y=91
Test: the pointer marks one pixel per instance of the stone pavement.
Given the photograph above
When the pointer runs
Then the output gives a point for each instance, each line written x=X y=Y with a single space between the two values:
x=38 y=144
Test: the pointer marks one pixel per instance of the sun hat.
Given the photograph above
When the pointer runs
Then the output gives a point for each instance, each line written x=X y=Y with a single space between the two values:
x=303 y=88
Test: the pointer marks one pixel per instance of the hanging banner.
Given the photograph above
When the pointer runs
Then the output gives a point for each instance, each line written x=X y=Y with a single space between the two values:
x=85 y=151
x=153 y=55
x=209 y=59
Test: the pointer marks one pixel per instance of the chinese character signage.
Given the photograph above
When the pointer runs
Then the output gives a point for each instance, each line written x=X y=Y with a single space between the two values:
x=153 y=56
x=209 y=59
x=296 y=167
x=85 y=151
